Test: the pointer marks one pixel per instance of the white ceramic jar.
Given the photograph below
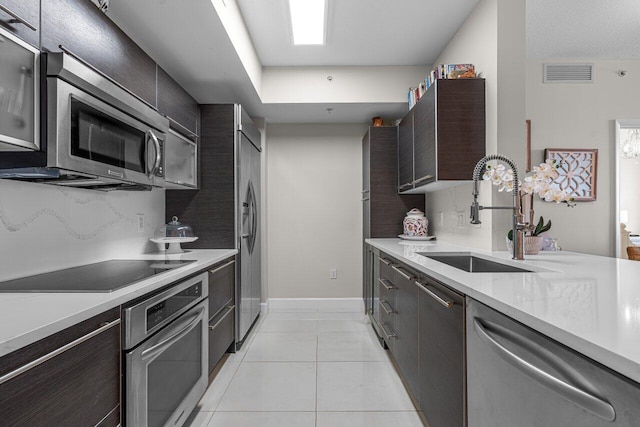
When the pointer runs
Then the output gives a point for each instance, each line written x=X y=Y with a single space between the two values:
x=415 y=223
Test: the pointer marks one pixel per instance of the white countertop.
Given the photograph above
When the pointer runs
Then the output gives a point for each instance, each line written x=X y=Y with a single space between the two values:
x=589 y=303
x=28 y=317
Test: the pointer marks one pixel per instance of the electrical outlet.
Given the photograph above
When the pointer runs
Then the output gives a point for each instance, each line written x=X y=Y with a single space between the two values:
x=441 y=219
x=333 y=273
x=460 y=223
x=140 y=223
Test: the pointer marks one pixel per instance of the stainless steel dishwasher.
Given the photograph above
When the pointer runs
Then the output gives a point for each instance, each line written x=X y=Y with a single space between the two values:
x=519 y=377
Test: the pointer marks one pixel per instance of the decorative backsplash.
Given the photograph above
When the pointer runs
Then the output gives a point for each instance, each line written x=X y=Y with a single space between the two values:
x=43 y=227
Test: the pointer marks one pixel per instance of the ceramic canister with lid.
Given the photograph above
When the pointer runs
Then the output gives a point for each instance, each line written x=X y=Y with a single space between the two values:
x=415 y=223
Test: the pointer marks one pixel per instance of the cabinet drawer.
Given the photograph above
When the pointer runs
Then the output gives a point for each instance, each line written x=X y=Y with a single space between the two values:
x=69 y=378
x=222 y=279
x=386 y=270
x=221 y=335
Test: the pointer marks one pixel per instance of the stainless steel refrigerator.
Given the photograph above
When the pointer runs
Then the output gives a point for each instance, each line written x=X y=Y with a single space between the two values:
x=248 y=292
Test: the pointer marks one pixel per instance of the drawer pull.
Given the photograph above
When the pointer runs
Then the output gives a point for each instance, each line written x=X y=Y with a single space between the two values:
x=402 y=272
x=387 y=334
x=58 y=351
x=387 y=284
x=424 y=178
x=384 y=305
x=384 y=261
x=438 y=298
x=17 y=19
x=214 y=271
x=229 y=310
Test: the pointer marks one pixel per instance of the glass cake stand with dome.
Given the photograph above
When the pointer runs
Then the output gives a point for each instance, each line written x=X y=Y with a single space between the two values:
x=173 y=234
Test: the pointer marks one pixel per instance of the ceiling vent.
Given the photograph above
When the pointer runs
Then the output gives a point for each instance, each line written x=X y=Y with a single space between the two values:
x=568 y=73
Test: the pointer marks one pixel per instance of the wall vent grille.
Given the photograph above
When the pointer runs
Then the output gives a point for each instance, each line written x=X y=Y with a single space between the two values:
x=568 y=73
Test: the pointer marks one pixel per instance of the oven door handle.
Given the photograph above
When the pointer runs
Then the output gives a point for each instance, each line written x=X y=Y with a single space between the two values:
x=152 y=352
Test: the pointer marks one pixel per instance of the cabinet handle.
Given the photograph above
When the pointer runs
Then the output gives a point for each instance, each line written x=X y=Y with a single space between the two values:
x=214 y=271
x=424 y=178
x=76 y=57
x=405 y=186
x=364 y=199
x=192 y=136
x=58 y=351
x=229 y=310
x=402 y=272
x=17 y=19
x=438 y=298
x=384 y=331
x=389 y=310
x=364 y=191
x=582 y=398
x=387 y=284
x=385 y=261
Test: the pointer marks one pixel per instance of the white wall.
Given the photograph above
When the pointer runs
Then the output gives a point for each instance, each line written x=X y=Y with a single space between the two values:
x=582 y=116
x=45 y=228
x=493 y=39
x=314 y=212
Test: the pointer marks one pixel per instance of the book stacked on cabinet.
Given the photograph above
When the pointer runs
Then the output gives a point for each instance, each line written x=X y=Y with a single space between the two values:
x=442 y=71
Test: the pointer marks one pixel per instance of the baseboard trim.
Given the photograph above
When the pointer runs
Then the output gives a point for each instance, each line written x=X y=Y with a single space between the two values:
x=355 y=305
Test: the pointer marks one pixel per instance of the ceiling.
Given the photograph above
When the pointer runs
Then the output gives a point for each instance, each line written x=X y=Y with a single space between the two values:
x=358 y=32
x=190 y=42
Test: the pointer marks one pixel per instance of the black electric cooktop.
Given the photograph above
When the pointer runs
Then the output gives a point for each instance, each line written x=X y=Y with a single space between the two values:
x=106 y=276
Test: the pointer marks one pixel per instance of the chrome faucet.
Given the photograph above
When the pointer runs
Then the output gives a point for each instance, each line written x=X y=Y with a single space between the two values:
x=518 y=219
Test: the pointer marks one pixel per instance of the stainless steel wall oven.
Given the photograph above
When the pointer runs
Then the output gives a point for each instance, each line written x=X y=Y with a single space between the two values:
x=165 y=354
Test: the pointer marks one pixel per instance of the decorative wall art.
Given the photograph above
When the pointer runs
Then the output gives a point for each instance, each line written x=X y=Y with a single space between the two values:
x=578 y=171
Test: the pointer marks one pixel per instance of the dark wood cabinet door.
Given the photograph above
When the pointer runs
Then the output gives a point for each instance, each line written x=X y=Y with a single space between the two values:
x=76 y=387
x=222 y=285
x=221 y=335
x=442 y=356
x=405 y=153
x=461 y=127
x=27 y=10
x=176 y=103
x=424 y=139
x=387 y=207
x=80 y=27
x=406 y=352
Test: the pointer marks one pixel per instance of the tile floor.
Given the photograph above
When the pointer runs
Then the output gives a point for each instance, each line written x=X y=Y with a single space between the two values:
x=307 y=369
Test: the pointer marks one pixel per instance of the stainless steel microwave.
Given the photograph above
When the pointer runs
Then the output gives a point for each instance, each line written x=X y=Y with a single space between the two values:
x=98 y=135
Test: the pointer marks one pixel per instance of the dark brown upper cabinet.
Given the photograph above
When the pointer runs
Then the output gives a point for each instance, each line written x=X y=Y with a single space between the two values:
x=383 y=208
x=175 y=103
x=82 y=29
x=22 y=18
x=445 y=132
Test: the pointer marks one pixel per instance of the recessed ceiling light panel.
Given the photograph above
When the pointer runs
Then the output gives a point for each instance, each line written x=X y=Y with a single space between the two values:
x=308 y=21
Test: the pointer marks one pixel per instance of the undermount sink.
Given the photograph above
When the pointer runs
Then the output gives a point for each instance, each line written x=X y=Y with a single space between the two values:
x=473 y=264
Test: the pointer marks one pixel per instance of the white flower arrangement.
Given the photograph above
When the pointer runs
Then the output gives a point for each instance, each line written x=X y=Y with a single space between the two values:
x=539 y=183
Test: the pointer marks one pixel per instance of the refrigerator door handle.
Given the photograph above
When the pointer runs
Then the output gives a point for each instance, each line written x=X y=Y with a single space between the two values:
x=579 y=397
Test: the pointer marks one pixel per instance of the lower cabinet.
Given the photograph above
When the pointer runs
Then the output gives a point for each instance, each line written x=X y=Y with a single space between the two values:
x=406 y=352
x=222 y=279
x=71 y=378
x=442 y=354
x=422 y=321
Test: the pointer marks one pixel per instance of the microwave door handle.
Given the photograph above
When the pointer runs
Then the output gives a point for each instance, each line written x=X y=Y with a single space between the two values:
x=156 y=164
